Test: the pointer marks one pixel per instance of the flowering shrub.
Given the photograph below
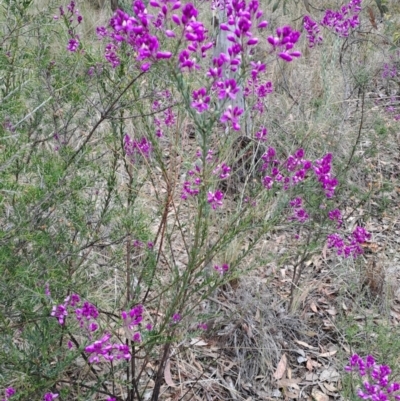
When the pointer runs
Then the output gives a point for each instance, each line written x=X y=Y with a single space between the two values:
x=100 y=190
x=284 y=42
x=344 y=20
x=340 y=22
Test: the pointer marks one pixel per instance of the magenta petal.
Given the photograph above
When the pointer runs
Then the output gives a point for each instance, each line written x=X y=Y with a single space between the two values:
x=252 y=41
x=262 y=24
x=163 y=55
x=285 y=56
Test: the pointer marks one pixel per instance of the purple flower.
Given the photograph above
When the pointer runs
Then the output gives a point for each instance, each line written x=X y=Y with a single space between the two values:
x=9 y=392
x=312 y=31
x=163 y=55
x=336 y=215
x=228 y=88
x=169 y=119
x=103 y=348
x=232 y=115
x=361 y=235
x=132 y=147
x=376 y=382
x=267 y=182
x=111 y=55
x=73 y=45
x=190 y=188
x=137 y=338
x=296 y=203
x=71 y=6
x=88 y=311
x=215 y=199
x=298 y=212
x=222 y=269
x=284 y=41
x=322 y=169
x=176 y=317
x=222 y=170
x=60 y=312
x=389 y=71
x=352 y=246
x=72 y=300
x=133 y=317
x=50 y=396
x=200 y=100
x=342 y=21
x=137 y=244
x=262 y=134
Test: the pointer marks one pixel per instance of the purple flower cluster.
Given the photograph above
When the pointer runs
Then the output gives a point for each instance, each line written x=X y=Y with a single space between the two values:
x=195 y=34
x=60 y=142
x=132 y=319
x=135 y=31
x=284 y=42
x=176 y=318
x=8 y=393
x=227 y=89
x=377 y=386
x=389 y=71
x=322 y=169
x=215 y=199
x=201 y=101
x=103 y=348
x=255 y=87
x=352 y=246
x=336 y=215
x=191 y=186
x=61 y=311
x=222 y=170
x=391 y=107
x=298 y=212
x=69 y=16
x=139 y=244
x=261 y=135
x=288 y=173
x=341 y=22
x=241 y=18
x=50 y=397
x=231 y=115
x=344 y=20
x=313 y=32
x=86 y=315
x=132 y=147
x=222 y=269
x=168 y=119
